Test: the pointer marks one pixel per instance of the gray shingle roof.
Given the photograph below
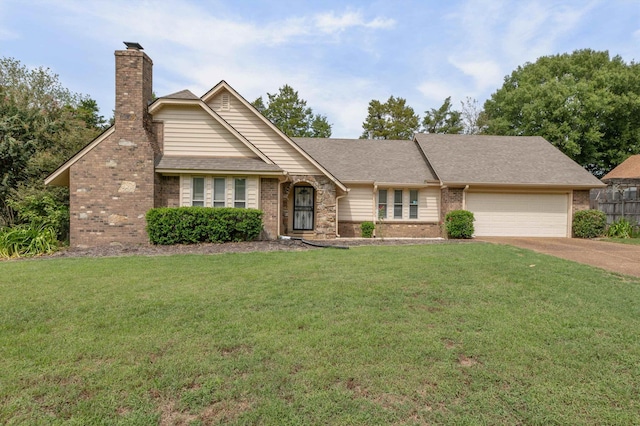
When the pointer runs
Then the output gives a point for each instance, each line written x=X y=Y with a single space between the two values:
x=520 y=160
x=364 y=160
x=183 y=94
x=231 y=164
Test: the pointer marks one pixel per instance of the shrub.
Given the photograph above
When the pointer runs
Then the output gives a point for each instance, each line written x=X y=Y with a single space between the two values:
x=459 y=224
x=42 y=209
x=589 y=223
x=190 y=225
x=621 y=228
x=27 y=240
x=366 y=229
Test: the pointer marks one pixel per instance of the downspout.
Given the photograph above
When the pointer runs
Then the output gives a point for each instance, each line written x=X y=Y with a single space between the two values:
x=375 y=206
x=337 y=215
x=464 y=197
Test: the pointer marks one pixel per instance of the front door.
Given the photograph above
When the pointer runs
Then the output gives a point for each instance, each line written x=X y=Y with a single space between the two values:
x=303 y=207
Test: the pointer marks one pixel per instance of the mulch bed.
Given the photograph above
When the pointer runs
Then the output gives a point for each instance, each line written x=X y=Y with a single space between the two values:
x=243 y=247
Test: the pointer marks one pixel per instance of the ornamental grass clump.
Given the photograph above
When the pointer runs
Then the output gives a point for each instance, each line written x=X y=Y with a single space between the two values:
x=459 y=224
x=621 y=228
x=27 y=240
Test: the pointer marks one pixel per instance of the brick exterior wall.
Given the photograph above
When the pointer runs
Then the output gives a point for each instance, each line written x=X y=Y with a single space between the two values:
x=167 y=191
x=269 y=206
x=325 y=206
x=403 y=229
x=581 y=200
x=451 y=199
x=112 y=186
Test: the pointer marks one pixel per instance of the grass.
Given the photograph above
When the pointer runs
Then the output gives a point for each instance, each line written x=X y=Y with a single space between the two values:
x=409 y=335
x=633 y=241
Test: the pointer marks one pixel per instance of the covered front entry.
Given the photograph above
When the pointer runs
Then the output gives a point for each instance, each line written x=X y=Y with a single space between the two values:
x=303 y=208
x=519 y=214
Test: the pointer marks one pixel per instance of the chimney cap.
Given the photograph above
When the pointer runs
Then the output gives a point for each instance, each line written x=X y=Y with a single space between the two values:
x=132 y=45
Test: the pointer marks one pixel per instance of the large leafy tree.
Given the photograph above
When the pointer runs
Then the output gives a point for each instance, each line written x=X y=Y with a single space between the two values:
x=585 y=103
x=393 y=119
x=41 y=125
x=290 y=114
x=443 y=119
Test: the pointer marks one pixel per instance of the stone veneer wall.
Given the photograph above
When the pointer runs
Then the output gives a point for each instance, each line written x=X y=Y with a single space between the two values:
x=325 y=205
x=404 y=229
x=112 y=186
x=269 y=206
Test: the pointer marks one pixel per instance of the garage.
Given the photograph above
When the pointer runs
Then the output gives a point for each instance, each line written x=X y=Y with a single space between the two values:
x=519 y=214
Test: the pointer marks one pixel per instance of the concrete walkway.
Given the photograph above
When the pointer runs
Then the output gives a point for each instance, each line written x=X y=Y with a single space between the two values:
x=615 y=257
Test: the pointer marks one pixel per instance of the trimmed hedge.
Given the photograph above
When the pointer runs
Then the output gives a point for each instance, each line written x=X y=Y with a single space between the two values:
x=366 y=229
x=589 y=223
x=190 y=225
x=459 y=224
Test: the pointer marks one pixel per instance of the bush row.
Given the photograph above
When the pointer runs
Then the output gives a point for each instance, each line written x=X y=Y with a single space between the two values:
x=190 y=225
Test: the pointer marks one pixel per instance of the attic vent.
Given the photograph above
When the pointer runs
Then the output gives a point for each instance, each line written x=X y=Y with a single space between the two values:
x=225 y=103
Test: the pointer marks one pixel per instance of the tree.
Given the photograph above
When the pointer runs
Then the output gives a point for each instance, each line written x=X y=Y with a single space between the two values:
x=443 y=119
x=290 y=114
x=41 y=125
x=390 y=120
x=472 y=116
x=585 y=103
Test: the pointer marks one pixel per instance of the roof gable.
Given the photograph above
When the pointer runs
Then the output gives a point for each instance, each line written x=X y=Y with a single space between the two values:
x=288 y=142
x=164 y=102
x=501 y=160
x=60 y=177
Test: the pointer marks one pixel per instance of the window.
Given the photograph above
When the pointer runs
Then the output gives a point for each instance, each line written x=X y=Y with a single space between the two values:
x=382 y=204
x=219 y=192
x=197 y=194
x=413 y=204
x=397 y=204
x=240 y=193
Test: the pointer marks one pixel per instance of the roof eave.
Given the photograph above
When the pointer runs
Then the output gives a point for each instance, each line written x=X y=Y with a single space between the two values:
x=180 y=171
x=524 y=185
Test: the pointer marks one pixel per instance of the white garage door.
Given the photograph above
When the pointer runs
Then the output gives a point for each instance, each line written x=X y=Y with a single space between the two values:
x=519 y=215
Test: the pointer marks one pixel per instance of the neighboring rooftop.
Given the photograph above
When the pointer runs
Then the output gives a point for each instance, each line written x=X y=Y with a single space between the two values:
x=628 y=169
x=501 y=160
x=366 y=160
x=183 y=94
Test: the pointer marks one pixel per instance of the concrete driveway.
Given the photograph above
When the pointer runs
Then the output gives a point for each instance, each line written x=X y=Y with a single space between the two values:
x=622 y=258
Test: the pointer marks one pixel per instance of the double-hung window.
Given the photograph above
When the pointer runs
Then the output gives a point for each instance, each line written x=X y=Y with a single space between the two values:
x=197 y=193
x=219 y=192
x=240 y=193
x=397 y=204
x=413 y=204
x=382 y=204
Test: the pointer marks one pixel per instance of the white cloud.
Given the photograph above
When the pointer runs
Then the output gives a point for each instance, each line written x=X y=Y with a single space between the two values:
x=332 y=23
x=486 y=74
x=437 y=90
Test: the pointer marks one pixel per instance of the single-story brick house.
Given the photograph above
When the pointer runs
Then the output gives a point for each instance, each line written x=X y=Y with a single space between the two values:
x=218 y=150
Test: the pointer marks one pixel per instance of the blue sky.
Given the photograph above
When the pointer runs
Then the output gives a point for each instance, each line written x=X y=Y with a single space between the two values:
x=339 y=55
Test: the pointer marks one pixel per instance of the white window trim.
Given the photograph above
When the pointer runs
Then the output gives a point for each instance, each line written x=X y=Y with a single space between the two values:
x=204 y=191
x=391 y=205
x=244 y=200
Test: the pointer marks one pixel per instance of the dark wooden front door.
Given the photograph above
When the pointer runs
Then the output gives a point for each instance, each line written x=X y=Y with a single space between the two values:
x=303 y=207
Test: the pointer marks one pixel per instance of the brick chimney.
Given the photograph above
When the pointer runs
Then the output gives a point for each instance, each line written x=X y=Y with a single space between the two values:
x=134 y=87
x=113 y=185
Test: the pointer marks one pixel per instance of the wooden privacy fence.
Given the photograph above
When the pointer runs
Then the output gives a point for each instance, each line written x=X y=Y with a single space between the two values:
x=617 y=204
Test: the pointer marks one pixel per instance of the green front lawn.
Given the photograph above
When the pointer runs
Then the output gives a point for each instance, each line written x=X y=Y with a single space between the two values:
x=434 y=334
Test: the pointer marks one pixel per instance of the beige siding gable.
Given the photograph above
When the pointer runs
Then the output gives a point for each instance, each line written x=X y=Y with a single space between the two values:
x=260 y=134
x=191 y=131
